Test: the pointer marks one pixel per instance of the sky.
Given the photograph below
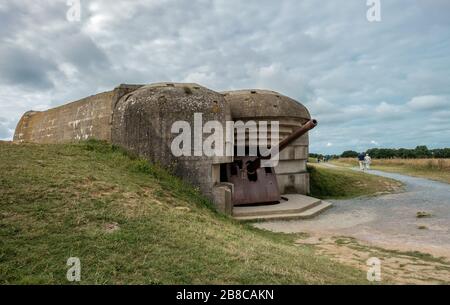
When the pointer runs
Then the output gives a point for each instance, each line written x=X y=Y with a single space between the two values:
x=370 y=84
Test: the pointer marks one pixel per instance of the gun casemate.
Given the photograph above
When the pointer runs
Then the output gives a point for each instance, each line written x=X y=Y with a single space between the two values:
x=253 y=184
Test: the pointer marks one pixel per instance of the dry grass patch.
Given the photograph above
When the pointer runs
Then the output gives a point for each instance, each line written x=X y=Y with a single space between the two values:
x=397 y=267
x=435 y=169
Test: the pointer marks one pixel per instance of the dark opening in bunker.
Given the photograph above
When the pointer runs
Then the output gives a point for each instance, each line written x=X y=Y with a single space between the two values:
x=252 y=176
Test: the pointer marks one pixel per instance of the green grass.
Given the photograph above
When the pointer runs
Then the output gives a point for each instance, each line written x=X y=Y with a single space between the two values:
x=60 y=201
x=342 y=183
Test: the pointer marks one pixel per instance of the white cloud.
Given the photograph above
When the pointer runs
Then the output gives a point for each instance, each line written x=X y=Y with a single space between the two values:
x=269 y=71
x=429 y=102
x=387 y=110
x=353 y=76
x=321 y=106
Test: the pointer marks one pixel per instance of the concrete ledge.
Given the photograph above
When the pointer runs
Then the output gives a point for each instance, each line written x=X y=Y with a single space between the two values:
x=296 y=207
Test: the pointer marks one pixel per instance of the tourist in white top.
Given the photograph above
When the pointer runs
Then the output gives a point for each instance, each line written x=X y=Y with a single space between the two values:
x=367 y=161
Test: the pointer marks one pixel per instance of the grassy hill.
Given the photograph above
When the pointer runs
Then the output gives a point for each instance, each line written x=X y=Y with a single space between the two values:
x=342 y=183
x=131 y=222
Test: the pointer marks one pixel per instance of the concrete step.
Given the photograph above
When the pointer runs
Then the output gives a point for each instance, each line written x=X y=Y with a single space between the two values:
x=293 y=205
x=306 y=214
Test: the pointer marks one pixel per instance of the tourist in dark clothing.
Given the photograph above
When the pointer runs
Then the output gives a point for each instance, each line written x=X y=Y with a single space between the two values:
x=361 y=160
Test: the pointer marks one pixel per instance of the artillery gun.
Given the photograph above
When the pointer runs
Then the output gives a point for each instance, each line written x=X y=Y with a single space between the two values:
x=253 y=184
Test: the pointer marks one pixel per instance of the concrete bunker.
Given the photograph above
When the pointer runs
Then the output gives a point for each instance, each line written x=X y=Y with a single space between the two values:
x=140 y=117
x=142 y=122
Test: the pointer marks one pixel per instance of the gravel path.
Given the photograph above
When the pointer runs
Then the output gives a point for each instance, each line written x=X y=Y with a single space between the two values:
x=388 y=221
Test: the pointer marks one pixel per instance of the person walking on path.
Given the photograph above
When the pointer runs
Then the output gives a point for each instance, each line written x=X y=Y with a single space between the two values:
x=367 y=161
x=361 y=160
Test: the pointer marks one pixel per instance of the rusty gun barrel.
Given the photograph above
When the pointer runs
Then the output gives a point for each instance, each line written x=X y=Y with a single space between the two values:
x=295 y=135
x=255 y=164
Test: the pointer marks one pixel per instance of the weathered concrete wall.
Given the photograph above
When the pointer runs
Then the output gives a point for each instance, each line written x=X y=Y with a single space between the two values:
x=143 y=119
x=264 y=105
x=80 y=120
x=139 y=118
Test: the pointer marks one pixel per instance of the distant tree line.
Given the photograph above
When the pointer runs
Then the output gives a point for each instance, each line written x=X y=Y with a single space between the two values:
x=323 y=157
x=420 y=152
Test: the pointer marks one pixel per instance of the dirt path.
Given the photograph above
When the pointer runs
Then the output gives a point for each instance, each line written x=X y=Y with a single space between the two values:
x=388 y=221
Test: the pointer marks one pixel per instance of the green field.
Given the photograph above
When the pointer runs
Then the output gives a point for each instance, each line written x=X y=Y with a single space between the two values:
x=434 y=169
x=343 y=183
x=132 y=223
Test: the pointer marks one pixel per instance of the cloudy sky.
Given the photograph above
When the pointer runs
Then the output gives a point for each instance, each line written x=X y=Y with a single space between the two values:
x=380 y=84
